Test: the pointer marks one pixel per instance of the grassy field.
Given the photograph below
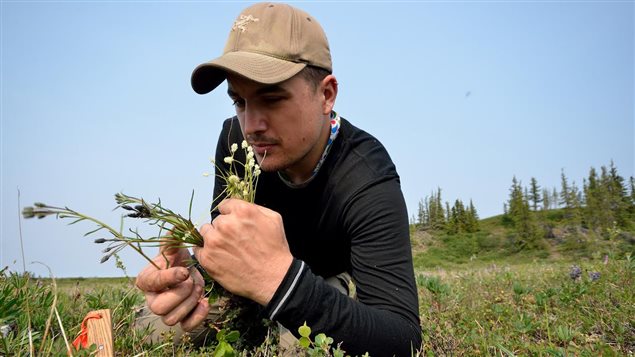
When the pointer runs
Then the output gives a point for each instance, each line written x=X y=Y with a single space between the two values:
x=522 y=309
x=529 y=309
x=476 y=299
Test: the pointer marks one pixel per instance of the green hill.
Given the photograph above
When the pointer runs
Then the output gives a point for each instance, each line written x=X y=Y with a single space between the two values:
x=496 y=241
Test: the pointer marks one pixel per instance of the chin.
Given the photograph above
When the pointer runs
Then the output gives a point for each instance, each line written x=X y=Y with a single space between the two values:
x=273 y=164
x=271 y=167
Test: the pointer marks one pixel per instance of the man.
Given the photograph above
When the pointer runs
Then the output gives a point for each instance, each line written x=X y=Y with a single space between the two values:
x=327 y=242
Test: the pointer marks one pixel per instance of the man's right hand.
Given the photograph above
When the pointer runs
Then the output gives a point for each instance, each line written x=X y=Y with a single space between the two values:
x=175 y=293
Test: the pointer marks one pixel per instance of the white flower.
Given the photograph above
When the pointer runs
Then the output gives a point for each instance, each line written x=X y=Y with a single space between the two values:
x=205 y=174
x=257 y=172
x=250 y=155
x=250 y=149
x=245 y=193
x=228 y=160
x=256 y=167
x=234 y=147
x=233 y=179
x=250 y=163
x=244 y=144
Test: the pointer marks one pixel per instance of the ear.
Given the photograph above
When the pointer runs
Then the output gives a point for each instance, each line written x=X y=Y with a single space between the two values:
x=328 y=88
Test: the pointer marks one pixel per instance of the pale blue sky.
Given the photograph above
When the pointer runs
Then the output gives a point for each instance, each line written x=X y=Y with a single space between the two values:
x=96 y=99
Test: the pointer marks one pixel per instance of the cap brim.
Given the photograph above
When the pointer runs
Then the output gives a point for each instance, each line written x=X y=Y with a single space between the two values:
x=254 y=66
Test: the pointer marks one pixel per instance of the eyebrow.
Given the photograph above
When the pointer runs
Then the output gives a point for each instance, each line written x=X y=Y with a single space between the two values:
x=274 y=88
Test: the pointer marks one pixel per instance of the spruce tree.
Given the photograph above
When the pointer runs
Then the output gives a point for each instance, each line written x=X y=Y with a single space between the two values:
x=422 y=213
x=565 y=191
x=461 y=216
x=534 y=194
x=604 y=214
x=439 y=218
x=575 y=200
x=618 y=196
x=472 y=218
x=593 y=200
x=546 y=201
x=527 y=236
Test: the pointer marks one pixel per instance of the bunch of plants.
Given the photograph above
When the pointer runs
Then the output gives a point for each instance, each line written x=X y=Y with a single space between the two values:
x=177 y=231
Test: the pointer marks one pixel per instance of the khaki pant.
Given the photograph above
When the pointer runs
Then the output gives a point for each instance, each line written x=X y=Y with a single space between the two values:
x=160 y=332
x=202 y=335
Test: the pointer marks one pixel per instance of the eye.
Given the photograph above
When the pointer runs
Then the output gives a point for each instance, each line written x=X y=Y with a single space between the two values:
x=238 y=103
x=272 y=99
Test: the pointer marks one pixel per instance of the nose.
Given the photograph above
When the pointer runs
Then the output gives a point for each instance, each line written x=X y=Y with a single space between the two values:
x=254 y=120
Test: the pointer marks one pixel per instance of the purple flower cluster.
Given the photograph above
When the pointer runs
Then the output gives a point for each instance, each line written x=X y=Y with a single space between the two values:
x=594 y=275
x=575 y=272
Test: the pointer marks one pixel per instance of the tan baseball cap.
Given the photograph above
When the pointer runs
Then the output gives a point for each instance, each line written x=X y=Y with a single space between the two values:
x=268 y=43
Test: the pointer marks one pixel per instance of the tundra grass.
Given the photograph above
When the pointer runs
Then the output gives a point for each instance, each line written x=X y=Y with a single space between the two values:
x=539 y=308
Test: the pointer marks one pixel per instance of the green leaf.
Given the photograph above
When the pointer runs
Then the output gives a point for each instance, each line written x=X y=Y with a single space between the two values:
x=189 y=213
x=219 y=351
x=220 y=335
x=232 y=336
x=304 y=342
x=93 y=231
x=507 y=352
x=304 y=330
x=320 y=339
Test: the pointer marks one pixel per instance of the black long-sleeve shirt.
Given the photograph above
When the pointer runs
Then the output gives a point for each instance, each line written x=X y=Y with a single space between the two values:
x=351 y=217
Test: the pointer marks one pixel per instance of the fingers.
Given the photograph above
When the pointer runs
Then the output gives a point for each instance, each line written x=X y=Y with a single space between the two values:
x=203 y=230
x=230 y=205
x=268 y=212
x=163 y=303
x=197 y=316
x=159 y=280
x=180 y=311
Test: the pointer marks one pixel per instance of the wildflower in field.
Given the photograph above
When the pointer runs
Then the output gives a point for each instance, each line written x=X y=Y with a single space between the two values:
x=594 y=275
x=575 y=272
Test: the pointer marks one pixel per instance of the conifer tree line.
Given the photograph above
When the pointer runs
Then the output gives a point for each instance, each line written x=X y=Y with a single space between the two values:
x=434 y=215
x=604 y=202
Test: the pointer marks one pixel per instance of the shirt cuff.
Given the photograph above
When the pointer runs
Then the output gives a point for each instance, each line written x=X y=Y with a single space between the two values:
x=288 y=285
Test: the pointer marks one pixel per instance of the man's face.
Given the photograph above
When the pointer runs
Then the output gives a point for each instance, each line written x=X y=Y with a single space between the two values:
x=286 y=123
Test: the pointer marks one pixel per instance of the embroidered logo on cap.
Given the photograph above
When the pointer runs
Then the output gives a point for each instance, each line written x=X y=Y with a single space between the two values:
x=243 y=21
